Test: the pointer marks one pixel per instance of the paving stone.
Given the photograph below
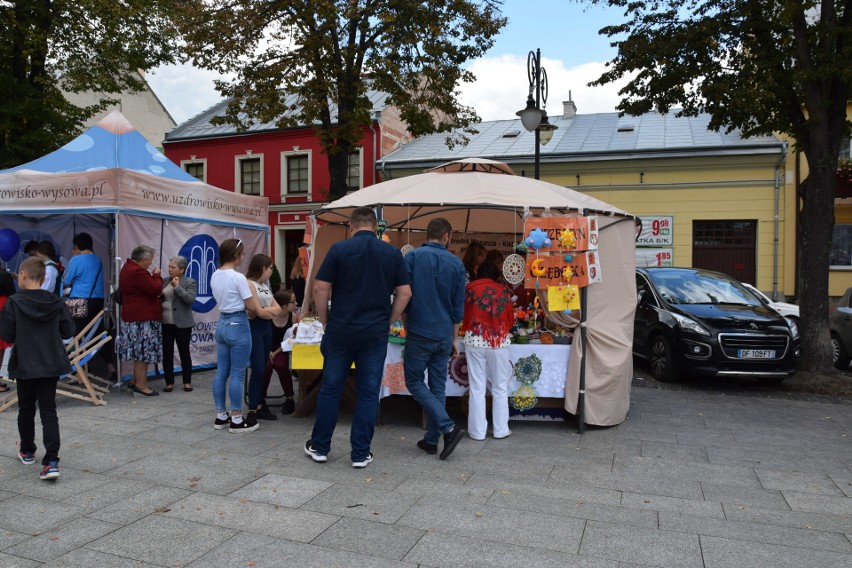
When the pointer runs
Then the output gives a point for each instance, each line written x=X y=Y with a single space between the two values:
x=242 y=514
x=717 y=473
x=797 y=519
x=419 y=487
x=819 y=503
x=456 y=551
x=71 y=482
x=139 y=505
x=388 y=541
x=281 y=490
x=9 y=561
x=843 y=481
x=509 y=526
x=662 y=503
x=161 y=540
x=62 y=540
x=10 y=538
x=720 y=552
x=755 y=532
x=187 y=475
x=570 y=491
x=803 y=482
x=576 y=508
x=106 y=495
x=770 y=459
x=646 y=546
x=638 y=482
x=268 y=552
x=738 y=494
x=25 y=514
x=362 y=503
x=678 y=452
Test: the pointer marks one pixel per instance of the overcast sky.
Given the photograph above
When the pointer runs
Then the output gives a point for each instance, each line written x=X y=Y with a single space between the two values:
x=566 y=32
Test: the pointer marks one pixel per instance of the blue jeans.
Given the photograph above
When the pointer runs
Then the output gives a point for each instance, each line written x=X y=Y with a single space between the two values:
x=233 y=345
x=261 y=345
x=339 y=354
x=433 y=356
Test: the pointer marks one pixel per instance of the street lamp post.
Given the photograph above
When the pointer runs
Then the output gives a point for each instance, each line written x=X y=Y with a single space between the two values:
x=534 y=115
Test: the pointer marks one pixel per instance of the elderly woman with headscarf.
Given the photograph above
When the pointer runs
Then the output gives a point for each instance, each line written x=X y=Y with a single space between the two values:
x=141 y=338
x=178 y=296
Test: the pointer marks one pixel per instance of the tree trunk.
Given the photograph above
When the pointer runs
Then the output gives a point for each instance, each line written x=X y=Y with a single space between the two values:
x=816 y=231
x=338 y=169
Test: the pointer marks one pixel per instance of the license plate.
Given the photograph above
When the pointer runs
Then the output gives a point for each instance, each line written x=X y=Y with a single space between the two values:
x=756 y=354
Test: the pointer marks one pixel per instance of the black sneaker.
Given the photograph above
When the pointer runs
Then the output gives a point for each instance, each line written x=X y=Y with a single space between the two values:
x=288 y=407
x=245 y=425
x=50 y=471
x=361 y=464
x=222 y=424
x=265 y=414
x=315 y=455
x=430 y=449
x=451 y=440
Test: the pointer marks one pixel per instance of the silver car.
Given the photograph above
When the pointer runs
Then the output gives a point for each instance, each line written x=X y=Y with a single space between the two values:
x=840 y=324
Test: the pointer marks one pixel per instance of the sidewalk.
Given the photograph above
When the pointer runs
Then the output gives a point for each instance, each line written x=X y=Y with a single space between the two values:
x=690 y=479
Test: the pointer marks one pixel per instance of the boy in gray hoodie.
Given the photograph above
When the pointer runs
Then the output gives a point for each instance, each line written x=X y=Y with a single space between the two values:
x=36 y=321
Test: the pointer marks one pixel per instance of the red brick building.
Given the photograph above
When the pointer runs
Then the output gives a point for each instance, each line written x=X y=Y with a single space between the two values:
x=285 y=165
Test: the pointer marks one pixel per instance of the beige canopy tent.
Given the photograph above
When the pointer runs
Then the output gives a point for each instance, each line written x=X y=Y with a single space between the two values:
x=484 y=196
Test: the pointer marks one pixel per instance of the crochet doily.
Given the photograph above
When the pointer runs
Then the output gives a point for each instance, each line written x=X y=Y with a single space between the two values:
x=514 y=268
x=406 y=249
x=458 y=370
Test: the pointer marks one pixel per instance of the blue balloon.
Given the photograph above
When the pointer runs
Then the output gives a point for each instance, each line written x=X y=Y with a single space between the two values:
x=10 y=243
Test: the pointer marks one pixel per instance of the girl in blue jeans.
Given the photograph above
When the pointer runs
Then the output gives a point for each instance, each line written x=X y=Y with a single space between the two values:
x=233 y=340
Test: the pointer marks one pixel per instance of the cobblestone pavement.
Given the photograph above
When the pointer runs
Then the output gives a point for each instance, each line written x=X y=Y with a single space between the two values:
x=692 y=478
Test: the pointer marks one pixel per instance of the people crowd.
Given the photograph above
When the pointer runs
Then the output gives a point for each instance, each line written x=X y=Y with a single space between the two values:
x=362 y=285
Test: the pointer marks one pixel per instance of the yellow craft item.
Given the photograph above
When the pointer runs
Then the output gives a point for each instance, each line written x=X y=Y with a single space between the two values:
x=567 y=273
x=567 y=238
x=535 y=267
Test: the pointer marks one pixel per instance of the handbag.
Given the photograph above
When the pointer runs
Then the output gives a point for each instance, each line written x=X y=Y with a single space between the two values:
x=79 y=307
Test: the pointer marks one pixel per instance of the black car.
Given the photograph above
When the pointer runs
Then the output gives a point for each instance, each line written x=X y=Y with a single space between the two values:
x=840 y=324
x=708 y=323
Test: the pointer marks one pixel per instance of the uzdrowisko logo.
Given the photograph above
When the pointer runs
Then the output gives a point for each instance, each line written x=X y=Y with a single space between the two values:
x=202 y=255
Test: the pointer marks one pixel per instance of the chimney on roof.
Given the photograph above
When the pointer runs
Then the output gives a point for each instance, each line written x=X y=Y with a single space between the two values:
x=569 y=109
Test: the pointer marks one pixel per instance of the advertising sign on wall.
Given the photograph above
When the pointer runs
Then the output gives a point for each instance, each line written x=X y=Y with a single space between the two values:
x=656 y=231
x=647 y=257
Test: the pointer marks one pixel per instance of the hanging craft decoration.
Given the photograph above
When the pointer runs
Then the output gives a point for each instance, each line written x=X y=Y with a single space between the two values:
x=563 y=298
x=524 y=398
x=458 y=370
x=536 y=269
x=514 y=268
x=406 y=248
x=568 y=239
x=538 y=239
x=528 y=369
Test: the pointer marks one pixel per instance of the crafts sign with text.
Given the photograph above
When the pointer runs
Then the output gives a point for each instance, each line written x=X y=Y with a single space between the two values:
x=551 y=270
x=585 y=231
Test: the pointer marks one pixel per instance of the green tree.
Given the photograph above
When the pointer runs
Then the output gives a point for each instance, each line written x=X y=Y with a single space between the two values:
x=329 y=52
x=51 y=46
x=764 y=67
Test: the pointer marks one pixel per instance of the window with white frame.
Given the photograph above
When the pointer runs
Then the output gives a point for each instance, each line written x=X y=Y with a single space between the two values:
x=196 y=168
x=249 y=174
x=353 y=175
x=296 y=173
x=841 y=246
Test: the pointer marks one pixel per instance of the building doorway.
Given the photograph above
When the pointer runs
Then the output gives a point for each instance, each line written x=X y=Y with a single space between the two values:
x=729 y=247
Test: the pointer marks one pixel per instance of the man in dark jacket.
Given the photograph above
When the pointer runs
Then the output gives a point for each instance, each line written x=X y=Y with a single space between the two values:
x=36 y=321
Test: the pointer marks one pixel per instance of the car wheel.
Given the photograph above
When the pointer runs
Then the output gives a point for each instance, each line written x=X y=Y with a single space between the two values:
x=839 y=356
x=662 y=359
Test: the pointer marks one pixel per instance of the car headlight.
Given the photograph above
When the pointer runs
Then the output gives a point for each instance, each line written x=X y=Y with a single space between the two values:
x=794 y=328
x=690 y=324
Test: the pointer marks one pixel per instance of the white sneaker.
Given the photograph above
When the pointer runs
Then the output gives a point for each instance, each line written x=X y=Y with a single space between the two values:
x=363 y=463
x=315 y=455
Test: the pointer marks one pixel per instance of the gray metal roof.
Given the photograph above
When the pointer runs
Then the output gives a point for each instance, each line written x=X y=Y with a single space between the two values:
x=583 y=136
x=199 y=126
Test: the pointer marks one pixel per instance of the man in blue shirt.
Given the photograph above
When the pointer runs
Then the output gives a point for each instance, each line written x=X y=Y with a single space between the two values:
x=434 y=315
x=359 y=275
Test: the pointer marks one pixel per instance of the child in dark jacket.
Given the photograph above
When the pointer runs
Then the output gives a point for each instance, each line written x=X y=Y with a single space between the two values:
x=36 y=321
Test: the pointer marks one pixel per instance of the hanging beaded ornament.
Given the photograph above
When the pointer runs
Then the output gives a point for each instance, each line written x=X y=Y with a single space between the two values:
x=514 y=268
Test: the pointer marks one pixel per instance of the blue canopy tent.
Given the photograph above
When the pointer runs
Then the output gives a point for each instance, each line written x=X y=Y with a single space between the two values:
x=113 y=184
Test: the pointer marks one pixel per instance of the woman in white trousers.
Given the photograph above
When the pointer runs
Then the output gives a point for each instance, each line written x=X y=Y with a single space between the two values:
x=488 y=320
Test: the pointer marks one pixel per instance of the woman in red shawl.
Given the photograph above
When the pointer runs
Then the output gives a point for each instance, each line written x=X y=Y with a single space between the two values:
x=488 y=319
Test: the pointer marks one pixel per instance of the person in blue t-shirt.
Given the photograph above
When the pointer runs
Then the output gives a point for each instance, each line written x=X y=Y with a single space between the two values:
x=434 y=315
x=359 y=275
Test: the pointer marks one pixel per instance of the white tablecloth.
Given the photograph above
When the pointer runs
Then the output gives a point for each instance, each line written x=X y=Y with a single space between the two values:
x=551 y=383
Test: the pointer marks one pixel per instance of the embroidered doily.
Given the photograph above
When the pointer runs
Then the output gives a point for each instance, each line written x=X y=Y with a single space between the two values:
x=458 y=370
x=513 y=269
x=406 y=249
